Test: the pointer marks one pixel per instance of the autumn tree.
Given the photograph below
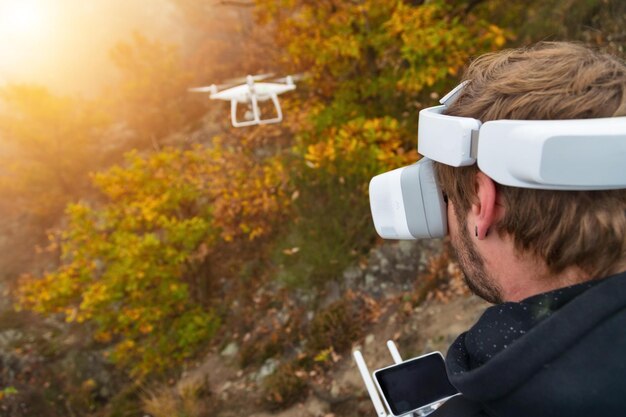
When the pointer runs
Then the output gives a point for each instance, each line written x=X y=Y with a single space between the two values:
x=134 y=265
x=371 y=66
x=373 y=58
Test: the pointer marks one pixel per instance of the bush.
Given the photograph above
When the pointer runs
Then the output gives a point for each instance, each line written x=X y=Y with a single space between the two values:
x=337 y=327
x=332 y=223
x=186 y=399
x=130 y=264
x=258 y=350
x=285 y=387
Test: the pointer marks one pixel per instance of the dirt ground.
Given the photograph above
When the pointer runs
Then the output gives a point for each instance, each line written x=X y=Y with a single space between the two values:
x=432 y=326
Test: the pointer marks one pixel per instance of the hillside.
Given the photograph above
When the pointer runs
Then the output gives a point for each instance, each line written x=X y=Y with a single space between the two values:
x=419 y=316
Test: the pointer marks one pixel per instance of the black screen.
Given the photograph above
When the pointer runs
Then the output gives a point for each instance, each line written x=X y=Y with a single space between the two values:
x=415 y=383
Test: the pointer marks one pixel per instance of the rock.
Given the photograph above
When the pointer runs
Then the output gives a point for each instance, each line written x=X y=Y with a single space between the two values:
x=393 y=266
x=9 y=337
x=333 y=293
x=231 y=350
x=283 y=316
x=268 y=368
x=406 y=248
x=352 y=275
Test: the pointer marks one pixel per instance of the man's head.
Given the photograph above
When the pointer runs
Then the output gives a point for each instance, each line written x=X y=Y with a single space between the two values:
x=580 y=230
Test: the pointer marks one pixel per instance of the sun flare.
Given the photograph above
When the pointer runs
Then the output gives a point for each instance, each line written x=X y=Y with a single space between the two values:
x=21 y=19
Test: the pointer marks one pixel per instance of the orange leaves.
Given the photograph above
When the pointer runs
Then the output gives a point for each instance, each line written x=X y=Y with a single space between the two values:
x=102 y=337
x=243 y=195
x=128 y=262
x=249 y=196
x=146 y=328
x=320 y=152
x=362 y=145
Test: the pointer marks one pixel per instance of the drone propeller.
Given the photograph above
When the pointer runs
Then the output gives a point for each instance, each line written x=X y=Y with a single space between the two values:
x=206 y=89
x=213 y=89
x=290 y=79
x=257 y=77
x=294 y=77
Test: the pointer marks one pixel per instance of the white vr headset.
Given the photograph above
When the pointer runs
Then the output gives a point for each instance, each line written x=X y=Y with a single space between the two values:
x=585 y=154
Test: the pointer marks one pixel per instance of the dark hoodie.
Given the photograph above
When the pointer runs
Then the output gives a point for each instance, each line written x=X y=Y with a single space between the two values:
x=561 y=353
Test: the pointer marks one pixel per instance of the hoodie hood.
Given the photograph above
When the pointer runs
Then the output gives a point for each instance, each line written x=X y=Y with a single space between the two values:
x=557 y=353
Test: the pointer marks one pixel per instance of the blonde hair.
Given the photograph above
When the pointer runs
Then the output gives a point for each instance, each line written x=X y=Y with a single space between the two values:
x=552 y=80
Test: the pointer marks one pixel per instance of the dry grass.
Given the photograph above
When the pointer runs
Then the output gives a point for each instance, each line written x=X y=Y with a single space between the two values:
x=186 y=399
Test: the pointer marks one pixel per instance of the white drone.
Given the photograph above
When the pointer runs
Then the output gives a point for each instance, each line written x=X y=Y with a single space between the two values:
x=251 y=93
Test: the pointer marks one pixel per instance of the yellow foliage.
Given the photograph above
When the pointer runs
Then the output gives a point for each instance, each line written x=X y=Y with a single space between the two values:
x=354 y=146
x=126 y=263
x=436 y=43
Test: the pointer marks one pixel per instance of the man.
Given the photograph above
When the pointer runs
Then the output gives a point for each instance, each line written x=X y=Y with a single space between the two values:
x=553 y=262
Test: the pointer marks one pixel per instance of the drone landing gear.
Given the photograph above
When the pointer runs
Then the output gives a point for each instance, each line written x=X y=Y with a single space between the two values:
x=252 y=115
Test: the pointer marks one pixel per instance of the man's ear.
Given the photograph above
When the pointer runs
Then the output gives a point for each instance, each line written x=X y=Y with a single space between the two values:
x=484 y=209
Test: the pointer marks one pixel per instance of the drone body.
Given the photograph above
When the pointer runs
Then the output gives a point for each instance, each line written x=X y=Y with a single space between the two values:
x=251 y=93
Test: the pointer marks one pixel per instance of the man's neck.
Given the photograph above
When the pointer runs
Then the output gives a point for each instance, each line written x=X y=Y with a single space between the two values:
x=522 y=275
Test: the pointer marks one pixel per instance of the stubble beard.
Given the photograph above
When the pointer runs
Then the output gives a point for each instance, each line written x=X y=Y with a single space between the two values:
x=472 y=265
